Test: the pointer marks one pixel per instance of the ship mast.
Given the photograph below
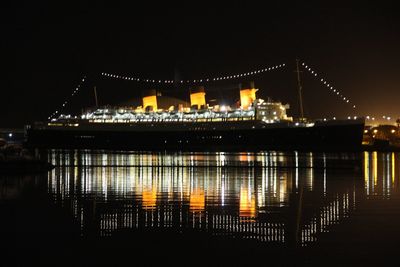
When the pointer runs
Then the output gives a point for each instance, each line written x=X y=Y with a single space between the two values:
x=300 y=91
x=95 y=96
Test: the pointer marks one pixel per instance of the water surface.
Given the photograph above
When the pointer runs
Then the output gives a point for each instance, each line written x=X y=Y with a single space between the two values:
x=295 y=208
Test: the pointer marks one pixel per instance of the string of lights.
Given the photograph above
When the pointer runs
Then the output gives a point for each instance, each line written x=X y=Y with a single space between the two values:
x=195 y=81
x=74 y=92
x=328 y=85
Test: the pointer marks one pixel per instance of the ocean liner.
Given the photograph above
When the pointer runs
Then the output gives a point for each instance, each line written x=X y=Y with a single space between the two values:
x=253 y=124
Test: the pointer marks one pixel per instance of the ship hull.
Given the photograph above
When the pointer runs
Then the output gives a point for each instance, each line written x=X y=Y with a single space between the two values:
x=221 y=136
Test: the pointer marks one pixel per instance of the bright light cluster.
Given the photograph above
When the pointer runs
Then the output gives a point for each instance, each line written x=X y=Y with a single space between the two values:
x=127 y=115
x=329 y=86
x=203 y=80
x=74 y=92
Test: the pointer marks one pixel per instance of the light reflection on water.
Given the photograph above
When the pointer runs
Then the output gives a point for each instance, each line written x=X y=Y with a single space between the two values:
x=381 y=174
x=282 y=198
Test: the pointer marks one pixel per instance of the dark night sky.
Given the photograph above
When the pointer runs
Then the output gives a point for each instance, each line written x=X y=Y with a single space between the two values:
x=48 y=47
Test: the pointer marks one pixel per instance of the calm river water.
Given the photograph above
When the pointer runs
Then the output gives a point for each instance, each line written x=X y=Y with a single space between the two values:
x=285 y=208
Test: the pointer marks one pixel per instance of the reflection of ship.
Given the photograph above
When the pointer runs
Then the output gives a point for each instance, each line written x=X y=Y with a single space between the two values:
x=254 y=203
x=252 y=124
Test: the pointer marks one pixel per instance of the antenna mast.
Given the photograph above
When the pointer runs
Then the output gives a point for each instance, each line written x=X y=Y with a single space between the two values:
x=95 y=96
x=300 y=91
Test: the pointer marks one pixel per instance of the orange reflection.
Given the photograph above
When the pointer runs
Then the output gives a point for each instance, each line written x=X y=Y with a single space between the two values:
x=197 y=200
x=149 y=198
x=243 y=157
x=247 y=204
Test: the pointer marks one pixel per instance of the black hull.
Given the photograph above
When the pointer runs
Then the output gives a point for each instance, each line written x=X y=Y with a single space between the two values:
x=324 y=137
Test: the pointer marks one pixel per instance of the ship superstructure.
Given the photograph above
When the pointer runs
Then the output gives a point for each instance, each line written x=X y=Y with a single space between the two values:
x=250 y=108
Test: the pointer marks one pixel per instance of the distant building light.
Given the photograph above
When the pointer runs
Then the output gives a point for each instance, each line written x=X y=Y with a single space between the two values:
x=375 y=131
x=393 y=131
x=10 y=135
